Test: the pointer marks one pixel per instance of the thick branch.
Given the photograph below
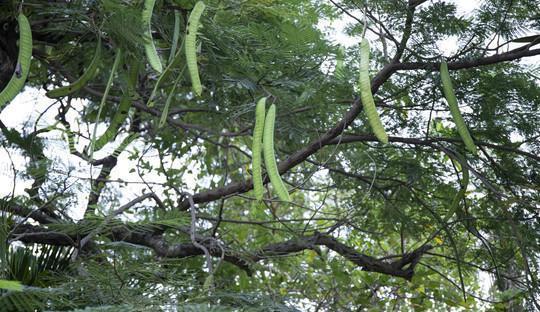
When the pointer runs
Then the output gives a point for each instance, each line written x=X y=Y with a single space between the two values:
x=402 y=267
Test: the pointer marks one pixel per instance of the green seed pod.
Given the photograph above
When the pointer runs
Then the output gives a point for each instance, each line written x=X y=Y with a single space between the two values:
x=270 y=157
x=149 y=47
x=191 y=50
x=367 y=96
x=448 y=90
x=16 y=83
x=88 y=75
x=256 y=157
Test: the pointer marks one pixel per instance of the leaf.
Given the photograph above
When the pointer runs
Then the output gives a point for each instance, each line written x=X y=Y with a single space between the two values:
x=11 y=285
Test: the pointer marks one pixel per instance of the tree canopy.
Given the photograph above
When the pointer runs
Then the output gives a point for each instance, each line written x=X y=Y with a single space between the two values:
x=128 y=184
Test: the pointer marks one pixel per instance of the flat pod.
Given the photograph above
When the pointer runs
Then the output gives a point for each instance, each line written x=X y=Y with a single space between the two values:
x=191 y=50
x=366 y=95
x=448 y=91
x=16 y=83
x=149 y=47
x=270 y=157
x=176 y=35
x=88 y=74
x=256 y=157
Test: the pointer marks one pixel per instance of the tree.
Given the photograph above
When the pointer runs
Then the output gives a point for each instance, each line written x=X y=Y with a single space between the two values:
x=129 y=191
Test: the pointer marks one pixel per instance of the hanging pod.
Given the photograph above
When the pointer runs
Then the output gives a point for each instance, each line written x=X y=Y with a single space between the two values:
x=448 y=91
x=270 y=157
x=256 y=157
x=366 y=95
x=191 y=49
x=16 y=83
x=149 y=47
x=78 y=84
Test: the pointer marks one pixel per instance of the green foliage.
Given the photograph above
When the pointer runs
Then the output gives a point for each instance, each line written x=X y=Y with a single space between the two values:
x=382 y=202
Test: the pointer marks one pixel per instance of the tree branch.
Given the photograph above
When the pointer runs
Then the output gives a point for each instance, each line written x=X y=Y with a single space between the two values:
x=497 y=58
x=427 y=142
x=402 y=267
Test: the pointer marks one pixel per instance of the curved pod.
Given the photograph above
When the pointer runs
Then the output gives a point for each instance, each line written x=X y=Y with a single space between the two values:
x=149 y=47
x=16 y=83
x=270 y=157
x=123 y=109
x=191 y=49
x=256 y=157
x=448 y=91
x=366 y=95
x=89 y=74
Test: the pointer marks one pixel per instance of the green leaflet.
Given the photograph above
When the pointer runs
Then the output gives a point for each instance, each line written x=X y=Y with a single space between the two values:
x=165 y=112
x=89 y=74
x=367 y=97
x=16 y=83
x=71 y=141
x=117 y=59
x=191 y=50
x=149 y=47
x=256 y=157
x=11 y=285
x=132 y=137
x=123 y=109
x=454 y=206
x=448 y=91
x=164 y=76
x=339 y=72
x=270 y=157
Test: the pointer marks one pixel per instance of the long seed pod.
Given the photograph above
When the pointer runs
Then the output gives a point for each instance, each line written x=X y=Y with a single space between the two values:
x=448 y=91
x=176 y=35
x=123 y=109
x=116 y=64
x=367 y=96
x=270 y=157
x=78 y=84
x=149 y=47
x=191 y=50
x=256 y=157
x=16 y=83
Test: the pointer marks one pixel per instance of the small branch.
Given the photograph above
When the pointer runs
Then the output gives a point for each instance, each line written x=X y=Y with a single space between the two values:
x=497 y=58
